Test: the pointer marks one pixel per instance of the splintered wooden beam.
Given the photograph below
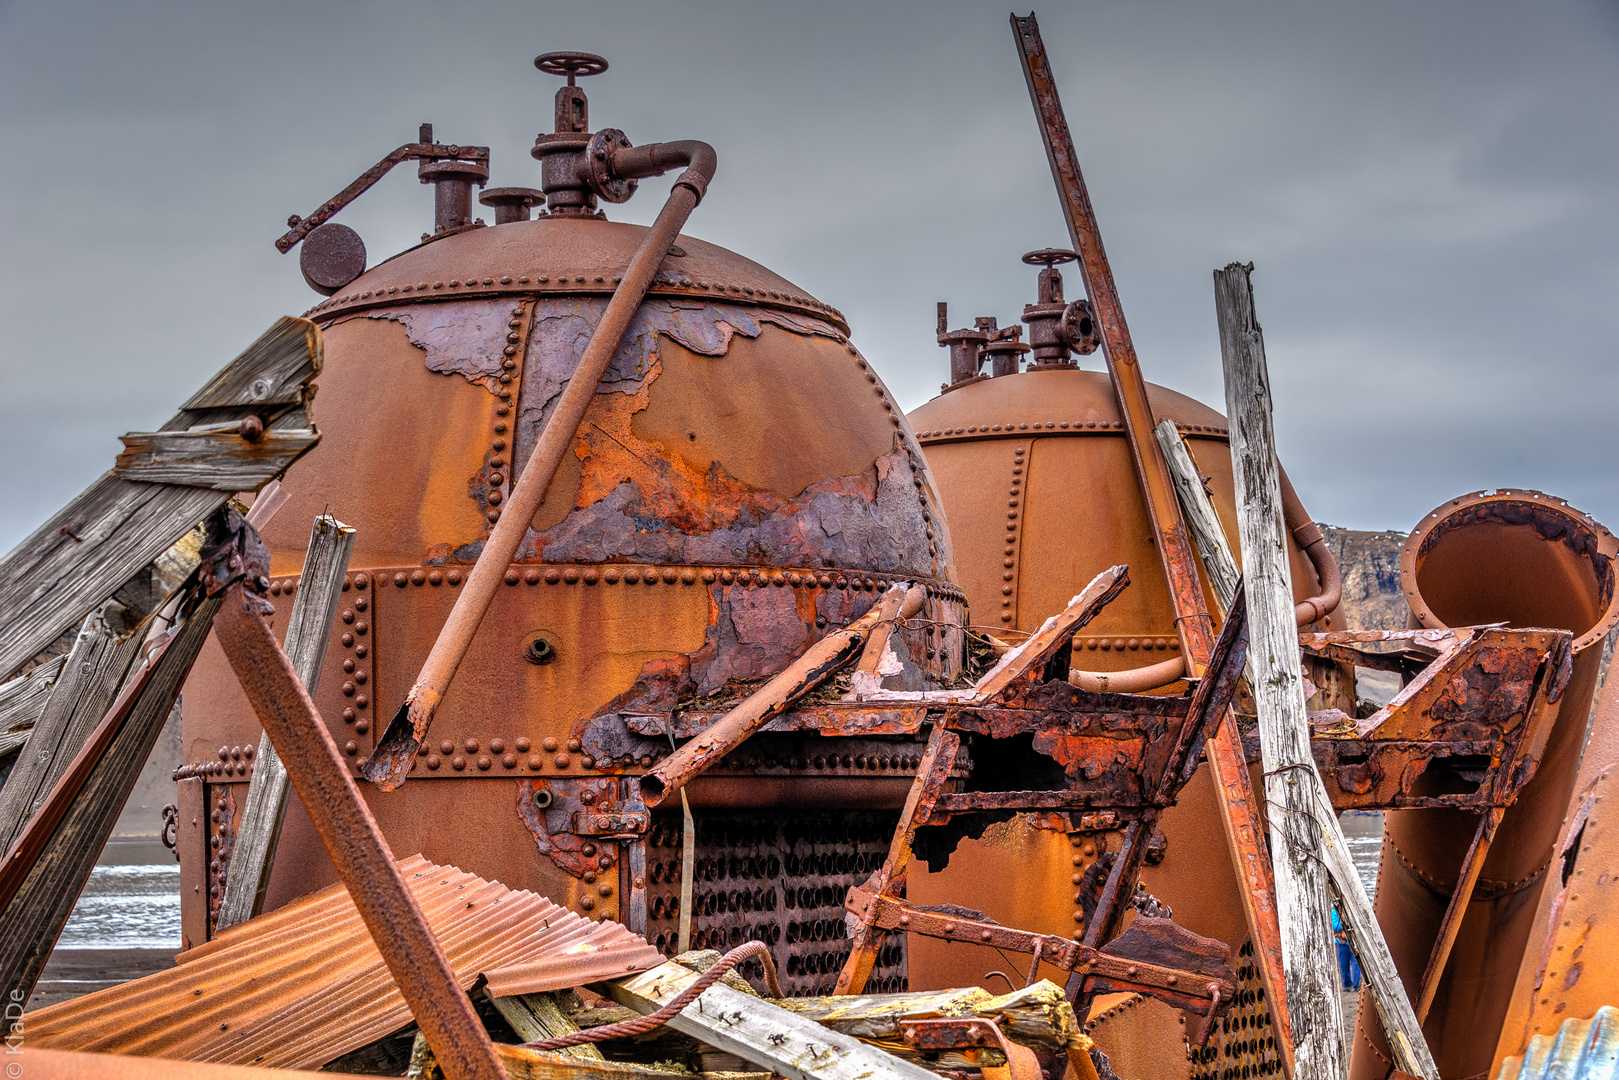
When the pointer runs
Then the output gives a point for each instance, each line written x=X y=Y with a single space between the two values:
x=1054 y=633
x=1037 y=1016
x=221 y=459
x=309 y=629
x=22 y=700
x=760 y=1031
x=115 y=528
x=1302 y=822
x=1201 y=519
x=46 y=867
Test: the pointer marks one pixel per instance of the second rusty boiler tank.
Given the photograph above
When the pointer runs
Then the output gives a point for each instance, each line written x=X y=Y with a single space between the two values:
x=742 y=481
x=1040 y=493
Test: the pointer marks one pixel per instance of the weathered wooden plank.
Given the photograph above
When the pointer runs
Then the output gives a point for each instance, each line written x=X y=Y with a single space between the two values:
x=522 y=1063
x=113 y=529
x=95 y=668
x=1383 y=982
x=1411 y=1053
x=33 y=919
x=271 y=371
x=761 y=1031
x=1044 y=642
x=222 y=460
x=22 y=700
x=1037 y=1016
x=309 y=630
x=1202 y=521
x=537 y=1016
x=1303 y=900
x=85 y=552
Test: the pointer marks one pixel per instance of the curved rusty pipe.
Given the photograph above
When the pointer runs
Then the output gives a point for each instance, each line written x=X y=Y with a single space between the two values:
x=389 y=765
x=655 y=159
x=1133 y=681
x=1308 y=535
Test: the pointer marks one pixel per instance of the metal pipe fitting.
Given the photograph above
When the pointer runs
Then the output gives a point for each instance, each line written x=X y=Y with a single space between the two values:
x=1308 y=534
x=1135 y=681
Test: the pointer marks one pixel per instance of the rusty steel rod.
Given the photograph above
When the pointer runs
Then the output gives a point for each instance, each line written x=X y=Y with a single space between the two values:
x=1227 y=763
x=354 y=840
x=389 y=765
x=820 y=661
x=1471 y=866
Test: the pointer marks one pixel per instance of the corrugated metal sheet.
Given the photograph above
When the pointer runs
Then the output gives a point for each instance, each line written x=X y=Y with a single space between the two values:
x=304 y=984
x=66 y=1065
x=1581 y=1050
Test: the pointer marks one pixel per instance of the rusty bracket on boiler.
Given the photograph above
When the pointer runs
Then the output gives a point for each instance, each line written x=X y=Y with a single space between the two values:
x=1155 y=957
x=477 y=157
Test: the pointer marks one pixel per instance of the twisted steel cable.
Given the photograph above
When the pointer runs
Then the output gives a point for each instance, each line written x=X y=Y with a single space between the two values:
x=643 y=1024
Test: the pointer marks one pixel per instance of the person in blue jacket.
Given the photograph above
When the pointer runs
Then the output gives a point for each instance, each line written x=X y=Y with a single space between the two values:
x=1348 y=966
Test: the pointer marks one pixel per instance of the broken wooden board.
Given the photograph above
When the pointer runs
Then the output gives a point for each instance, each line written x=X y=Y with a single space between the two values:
x=1037 y=1016
x=58 y=848
x=309 y=629
x=761 y=1031
x=221 y=459
x=117 y=526
x=1054 y=633
x=271 y=371
x=536 y=1017
x=22 y=700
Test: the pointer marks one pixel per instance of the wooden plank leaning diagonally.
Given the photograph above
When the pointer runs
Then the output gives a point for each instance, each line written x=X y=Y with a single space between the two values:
x=45 y=869
x=764 y=1033
x=1366 y=936
x=117 y=526
x=101 y=658
x=1302 y=824
x=309 y=629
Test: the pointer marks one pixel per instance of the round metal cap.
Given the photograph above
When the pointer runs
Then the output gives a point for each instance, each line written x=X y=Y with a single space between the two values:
x=331 y=257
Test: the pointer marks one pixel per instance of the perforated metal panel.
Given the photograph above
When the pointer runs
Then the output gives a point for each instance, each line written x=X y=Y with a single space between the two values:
x=1244 y=1045
x=777 y=877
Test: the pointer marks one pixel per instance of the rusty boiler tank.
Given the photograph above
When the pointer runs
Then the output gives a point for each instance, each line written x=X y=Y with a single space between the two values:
x=742 y=480
x=1035 y=471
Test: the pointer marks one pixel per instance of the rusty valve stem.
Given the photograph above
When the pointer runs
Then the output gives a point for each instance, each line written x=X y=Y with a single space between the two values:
x=389 y=766
x=966 y=348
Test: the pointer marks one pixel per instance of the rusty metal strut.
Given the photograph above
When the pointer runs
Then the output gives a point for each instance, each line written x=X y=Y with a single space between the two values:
x=1227 y=763
x=353 y=839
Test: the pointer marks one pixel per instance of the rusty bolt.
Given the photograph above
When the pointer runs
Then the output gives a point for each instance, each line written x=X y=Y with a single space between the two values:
x=539 y=651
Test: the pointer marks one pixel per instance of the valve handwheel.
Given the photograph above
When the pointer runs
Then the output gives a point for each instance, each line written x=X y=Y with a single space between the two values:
x=571 y=64
x=1049 y=257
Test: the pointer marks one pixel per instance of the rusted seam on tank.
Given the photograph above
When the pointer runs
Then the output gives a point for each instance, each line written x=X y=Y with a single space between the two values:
x=1486 y=889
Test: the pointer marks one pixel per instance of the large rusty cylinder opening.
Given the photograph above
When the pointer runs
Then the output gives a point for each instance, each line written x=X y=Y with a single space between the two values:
x=1519 y=557
x=778 y=878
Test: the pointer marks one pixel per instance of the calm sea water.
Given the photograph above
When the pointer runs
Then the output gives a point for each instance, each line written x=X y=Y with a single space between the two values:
x=132 y=900
x=135 y=904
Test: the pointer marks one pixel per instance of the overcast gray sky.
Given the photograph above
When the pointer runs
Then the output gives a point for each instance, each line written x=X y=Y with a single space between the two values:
x=1429 y=193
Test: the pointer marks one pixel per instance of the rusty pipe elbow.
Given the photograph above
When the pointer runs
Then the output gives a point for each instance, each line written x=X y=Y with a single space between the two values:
x=1134 y=681
x=1308 y=535
x=655 y=159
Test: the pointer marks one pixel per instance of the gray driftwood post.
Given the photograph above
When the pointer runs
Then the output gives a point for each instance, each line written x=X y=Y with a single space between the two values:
x=33 y=920
x=1365 y=935
x=1302 y=898
x=94 y=671
x=309 y=628
x=244 y=427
